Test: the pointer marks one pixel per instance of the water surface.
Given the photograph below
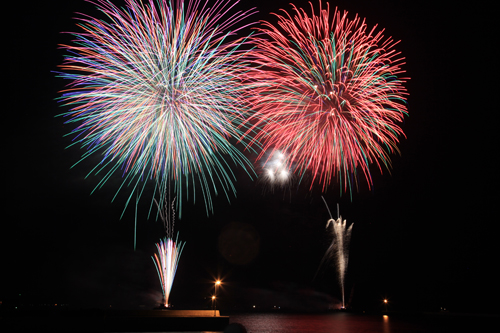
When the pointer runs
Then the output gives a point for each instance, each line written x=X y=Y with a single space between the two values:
x=342 y=322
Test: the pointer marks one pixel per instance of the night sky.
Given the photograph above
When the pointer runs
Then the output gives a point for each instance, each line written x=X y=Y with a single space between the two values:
x=425 y=235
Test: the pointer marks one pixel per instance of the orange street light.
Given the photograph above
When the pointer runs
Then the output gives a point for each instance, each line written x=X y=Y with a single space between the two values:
x=216 y=289
x=217 y=284
x=213 y=302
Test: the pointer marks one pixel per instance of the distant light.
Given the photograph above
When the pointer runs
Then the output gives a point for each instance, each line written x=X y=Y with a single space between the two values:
x=217 y=282
x=213 y=297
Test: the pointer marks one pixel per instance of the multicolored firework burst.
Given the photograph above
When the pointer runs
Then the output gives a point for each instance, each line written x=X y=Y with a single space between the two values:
x=155 y=92
x=327 y=93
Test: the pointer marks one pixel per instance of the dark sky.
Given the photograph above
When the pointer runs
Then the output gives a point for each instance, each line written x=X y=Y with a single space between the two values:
x=424 y=236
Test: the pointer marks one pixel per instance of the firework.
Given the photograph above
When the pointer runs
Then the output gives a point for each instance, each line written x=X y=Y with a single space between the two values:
x=169 y=253
x=275 y=170
x=327 y=93
x=155 y=94
x=338 y=251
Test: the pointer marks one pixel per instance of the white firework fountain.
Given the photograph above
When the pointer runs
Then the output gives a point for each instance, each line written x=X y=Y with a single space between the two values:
x=169 y=253
x=339 y=248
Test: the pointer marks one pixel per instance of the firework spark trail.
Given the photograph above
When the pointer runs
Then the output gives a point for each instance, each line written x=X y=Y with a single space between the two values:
x=327 y=93
x=341 y=249
x=155 y=91
x=338 y=251
x=169 y=253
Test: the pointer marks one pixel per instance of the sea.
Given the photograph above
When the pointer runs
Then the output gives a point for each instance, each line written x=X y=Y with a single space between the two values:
x=334 y=322
x=345 y=322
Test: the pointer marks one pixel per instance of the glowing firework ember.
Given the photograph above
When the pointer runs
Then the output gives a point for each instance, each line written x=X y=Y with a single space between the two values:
x=155 y=92
x=169 y=253
x=327 y=92
x=275 y=169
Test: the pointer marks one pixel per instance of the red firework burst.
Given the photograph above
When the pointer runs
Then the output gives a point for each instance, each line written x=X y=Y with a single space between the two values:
x=326 y=91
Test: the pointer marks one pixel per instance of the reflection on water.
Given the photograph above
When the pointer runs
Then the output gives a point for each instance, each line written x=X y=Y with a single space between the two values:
x=304 y=323
x=386 y=326
x=357 y=323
